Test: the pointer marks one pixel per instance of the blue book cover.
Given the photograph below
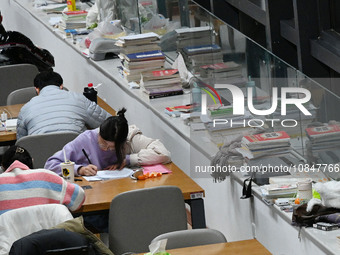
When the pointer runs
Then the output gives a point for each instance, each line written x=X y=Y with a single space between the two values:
x=190 y=50
x=147 y=55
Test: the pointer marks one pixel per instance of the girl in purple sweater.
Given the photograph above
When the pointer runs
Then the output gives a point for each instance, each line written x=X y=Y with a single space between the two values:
x=112 y=146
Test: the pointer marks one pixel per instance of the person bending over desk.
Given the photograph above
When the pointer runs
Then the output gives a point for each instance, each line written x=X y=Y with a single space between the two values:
x=111 y=146
x=21 y=186
x=57 y=110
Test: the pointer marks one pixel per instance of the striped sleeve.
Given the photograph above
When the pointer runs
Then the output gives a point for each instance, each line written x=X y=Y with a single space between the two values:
x=73 y=195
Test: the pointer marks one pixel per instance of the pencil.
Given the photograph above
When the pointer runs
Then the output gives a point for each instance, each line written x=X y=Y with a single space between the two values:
x=88 y=159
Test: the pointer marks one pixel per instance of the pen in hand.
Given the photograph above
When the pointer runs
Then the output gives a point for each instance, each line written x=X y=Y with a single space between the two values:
x=88 y=159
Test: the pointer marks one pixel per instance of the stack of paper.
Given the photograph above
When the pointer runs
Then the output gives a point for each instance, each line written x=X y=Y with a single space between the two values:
x=11 y=125
x=110 y=174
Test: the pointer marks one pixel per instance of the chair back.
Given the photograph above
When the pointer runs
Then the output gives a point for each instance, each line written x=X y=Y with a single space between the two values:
x=13 y=77
x=191 y=237
x=21 y=96
x=138 y=216
x=43 y=146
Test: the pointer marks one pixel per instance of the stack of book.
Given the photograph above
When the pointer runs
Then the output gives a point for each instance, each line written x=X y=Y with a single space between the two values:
x=193 y=36
x=265 y=144
x=197 y=56
x=73 y=20
x=139 y=53
x=197 y=47
x=221 y=123
x=279 y=190
x=292 y=112
x=221 y=70
x=161 y=83
x=324 y=144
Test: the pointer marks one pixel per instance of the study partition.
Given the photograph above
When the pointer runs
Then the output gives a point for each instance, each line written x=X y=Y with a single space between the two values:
x=282 y=98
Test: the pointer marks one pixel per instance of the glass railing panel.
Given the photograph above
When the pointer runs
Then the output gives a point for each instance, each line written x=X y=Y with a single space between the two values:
x=322 y=136
x=215 y=55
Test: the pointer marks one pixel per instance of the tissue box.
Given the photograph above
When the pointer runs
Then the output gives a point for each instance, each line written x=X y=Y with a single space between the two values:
x=11 y=125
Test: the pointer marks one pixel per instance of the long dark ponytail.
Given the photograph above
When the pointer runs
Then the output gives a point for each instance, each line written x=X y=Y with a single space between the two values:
x=115 y=129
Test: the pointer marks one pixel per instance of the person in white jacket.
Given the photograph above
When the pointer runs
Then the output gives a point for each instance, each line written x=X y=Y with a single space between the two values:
x=112 y=146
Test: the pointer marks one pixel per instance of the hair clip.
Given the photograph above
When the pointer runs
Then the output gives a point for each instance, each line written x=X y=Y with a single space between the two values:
x=19 y=150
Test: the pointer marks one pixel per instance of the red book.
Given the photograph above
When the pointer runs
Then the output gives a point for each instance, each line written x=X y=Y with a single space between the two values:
x=162 y=73
x=266 y=140
x=83 y=12
x=322 y=133
x=181 y=108
x=323 y=130
x=165 y=75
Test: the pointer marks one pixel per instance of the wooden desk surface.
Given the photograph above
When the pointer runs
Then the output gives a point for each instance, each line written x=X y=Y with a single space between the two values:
x=100 y=196
x=246 y=247
x=105 y=106
x=14 y=112
x=15 y=109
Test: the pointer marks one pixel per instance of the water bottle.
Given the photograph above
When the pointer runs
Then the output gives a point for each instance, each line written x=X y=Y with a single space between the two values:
x=90 y=92
x=196 y=97
x=251 y=84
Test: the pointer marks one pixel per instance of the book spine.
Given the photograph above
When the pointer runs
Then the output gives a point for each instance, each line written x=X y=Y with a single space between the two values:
x=325 y=227
x=166 y=94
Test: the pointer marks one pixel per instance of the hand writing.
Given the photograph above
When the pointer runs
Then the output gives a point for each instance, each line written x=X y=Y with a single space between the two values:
x=115 y=166
x=88 y=170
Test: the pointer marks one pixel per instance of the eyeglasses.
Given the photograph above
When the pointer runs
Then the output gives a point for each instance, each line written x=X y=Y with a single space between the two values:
x=105 y=145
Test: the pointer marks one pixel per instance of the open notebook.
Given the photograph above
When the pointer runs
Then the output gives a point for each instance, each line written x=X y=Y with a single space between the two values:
x=125 y=172
x=110 y=174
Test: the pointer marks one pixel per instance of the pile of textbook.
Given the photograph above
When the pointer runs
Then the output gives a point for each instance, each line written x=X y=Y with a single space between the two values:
x=323 y=145
x=264 y=145
x=73 y=20
x=221 y=70
x=161 y=83
x=294 y=113
x=139 y=53
x=197 y=48
x=221 y=123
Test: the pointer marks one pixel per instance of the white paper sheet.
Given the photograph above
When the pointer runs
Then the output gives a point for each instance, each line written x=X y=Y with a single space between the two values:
x=109 y=175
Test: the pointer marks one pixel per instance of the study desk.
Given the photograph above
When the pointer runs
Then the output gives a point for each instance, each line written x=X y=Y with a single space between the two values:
x=100 y=196
x=246 y=247
x=13 y=111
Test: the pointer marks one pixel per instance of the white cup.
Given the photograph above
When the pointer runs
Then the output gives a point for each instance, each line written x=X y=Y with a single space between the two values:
x=305 y=189
x=67 y=171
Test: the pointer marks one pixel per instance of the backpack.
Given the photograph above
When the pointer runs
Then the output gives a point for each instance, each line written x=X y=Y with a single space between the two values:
x=16 y=48
x=302 y=218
